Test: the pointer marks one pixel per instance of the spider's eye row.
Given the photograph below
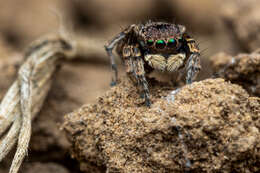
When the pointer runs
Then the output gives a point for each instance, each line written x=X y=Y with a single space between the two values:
x=171 y=42
x=149 y=42
x=160 y=44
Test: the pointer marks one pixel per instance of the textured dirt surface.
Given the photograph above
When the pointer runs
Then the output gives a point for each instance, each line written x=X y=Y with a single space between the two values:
x=94 y=23
x=243 y=69
x=243 y=21
x=212 y=126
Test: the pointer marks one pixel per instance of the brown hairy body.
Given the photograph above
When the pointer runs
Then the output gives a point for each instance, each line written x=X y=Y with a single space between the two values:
x=154 y=46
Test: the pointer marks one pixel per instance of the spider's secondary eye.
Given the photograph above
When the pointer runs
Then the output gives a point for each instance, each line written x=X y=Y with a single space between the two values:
x=171 y=42
x=150 y=42
x=160 y=44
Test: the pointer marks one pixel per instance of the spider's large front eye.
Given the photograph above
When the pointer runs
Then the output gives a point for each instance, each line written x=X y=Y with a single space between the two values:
x=149 y=42
x=171 y=42
x=160 y=44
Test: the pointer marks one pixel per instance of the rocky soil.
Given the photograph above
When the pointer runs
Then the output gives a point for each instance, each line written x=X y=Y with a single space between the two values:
x=243 y=69
x=209 y=126
x=212 y=126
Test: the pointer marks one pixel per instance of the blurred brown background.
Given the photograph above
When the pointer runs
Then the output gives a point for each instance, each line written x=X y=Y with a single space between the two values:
x=23 y=21
x=217 y=25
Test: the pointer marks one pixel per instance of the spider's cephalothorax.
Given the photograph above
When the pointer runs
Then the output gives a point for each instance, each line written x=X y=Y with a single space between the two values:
x=154 y=45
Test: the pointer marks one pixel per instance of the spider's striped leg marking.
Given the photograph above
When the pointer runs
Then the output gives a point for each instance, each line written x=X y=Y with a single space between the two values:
x=128 y=61
x=109 y=48
x=193 y=67
x=140 y=74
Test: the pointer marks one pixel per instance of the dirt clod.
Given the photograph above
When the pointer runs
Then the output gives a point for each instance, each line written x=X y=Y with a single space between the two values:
x=243 y=69
x=209 y=126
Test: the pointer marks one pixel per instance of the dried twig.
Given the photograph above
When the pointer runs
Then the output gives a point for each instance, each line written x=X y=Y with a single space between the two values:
x=26 y=96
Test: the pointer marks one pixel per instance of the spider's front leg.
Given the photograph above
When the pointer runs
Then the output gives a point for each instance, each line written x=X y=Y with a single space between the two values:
x=193 y=65
x=135 y=69
x=109 y=48
x=140 y=73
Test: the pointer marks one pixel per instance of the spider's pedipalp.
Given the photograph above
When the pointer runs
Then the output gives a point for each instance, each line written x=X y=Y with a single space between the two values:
x=156 y=61
x=174 y=62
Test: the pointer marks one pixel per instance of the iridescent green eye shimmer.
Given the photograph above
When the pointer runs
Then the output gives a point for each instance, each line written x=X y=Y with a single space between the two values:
x=160 y=42
x=171 y=43
x=171 y=40
x=149 y=42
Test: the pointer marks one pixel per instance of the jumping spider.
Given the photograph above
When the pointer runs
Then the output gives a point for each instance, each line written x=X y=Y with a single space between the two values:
x=154 y=45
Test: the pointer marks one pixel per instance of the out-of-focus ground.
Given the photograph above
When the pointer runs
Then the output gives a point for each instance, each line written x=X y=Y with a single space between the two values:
x=217 y=25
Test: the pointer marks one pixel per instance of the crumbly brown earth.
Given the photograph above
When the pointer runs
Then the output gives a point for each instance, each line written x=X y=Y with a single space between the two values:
x=211 y=126
x=95 y=23
x=243 y=69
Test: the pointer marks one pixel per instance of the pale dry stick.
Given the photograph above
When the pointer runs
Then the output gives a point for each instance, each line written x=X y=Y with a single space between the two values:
x=11 y=99
x=27 y=77
x=28 y=93
x=25 y=80
x=10 y=139
x=12 y=135
x=8 y=105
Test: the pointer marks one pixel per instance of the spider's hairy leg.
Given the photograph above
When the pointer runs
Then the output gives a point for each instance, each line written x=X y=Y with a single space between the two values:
x=193 y=65
x=135 y=69
x=140 y=74
x=128 y=61
x=144 y=83
x=109 y=48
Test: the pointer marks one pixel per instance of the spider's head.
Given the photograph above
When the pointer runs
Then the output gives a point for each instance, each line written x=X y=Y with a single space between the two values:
x=161 y=37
